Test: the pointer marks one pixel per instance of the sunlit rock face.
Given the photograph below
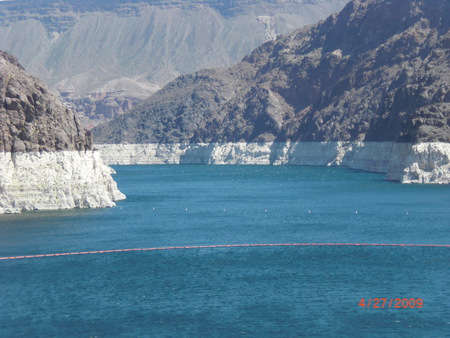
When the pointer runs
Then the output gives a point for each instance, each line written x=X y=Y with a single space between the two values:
x=46 y=157
x=427 y=162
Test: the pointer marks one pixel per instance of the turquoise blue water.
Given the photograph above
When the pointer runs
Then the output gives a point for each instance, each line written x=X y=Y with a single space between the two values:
x=251 y=291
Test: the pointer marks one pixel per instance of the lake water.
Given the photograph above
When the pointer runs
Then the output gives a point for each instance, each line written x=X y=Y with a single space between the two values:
x=260 y=291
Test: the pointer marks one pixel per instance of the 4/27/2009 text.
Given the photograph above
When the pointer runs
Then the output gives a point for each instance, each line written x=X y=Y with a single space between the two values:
x=396 y=303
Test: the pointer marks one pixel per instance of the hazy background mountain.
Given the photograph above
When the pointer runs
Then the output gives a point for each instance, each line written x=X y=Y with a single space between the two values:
x=377 y=71
x=104 y=56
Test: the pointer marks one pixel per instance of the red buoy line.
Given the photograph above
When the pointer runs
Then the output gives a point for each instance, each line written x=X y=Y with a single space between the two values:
x=222 y=246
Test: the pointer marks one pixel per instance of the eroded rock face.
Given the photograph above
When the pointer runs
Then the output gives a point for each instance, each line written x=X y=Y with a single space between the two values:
x=31 y=118
x=95 y=109
x=377 y=71
x=46 y=161
x=55 y=180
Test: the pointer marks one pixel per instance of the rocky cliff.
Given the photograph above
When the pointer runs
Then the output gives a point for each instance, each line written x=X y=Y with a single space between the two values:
x=31 y=118
x=103 y=56
x=377 y=71
x=45 y=155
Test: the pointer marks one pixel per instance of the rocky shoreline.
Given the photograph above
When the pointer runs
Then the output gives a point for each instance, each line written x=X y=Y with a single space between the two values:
x=49 y=180
x=55 y=180
x=427 y=162
x=46 y=157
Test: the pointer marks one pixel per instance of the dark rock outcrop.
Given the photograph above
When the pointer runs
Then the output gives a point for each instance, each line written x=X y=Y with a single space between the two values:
x=31 y=118
x=377 y=71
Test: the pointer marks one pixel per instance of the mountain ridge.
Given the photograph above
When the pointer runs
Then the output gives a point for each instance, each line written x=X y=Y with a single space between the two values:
x=105 y=56
x=376 y=71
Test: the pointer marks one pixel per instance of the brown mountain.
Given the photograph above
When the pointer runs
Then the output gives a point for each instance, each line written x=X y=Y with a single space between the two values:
x=377 y=71
x=104 y=56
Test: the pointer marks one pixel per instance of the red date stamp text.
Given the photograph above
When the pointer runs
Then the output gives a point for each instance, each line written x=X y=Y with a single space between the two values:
x=396 y=303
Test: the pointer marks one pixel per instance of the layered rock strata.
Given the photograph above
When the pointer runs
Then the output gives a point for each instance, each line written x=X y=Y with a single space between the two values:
x=404 y=162
x=46 y=157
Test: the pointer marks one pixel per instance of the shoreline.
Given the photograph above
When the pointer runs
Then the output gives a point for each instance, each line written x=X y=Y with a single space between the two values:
x=55 y=180
x=427 y=162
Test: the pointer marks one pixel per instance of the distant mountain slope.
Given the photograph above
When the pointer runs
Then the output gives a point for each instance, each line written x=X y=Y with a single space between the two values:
x=103 y=56
x=377 y=71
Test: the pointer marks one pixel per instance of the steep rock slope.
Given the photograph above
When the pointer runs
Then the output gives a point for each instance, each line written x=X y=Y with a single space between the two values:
x=104 y=56
x=377 y=71
x=31 y=118
x=46 y=161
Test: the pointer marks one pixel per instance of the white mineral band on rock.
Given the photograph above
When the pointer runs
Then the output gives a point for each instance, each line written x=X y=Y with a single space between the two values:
x=404 y=162
x=55 y=180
